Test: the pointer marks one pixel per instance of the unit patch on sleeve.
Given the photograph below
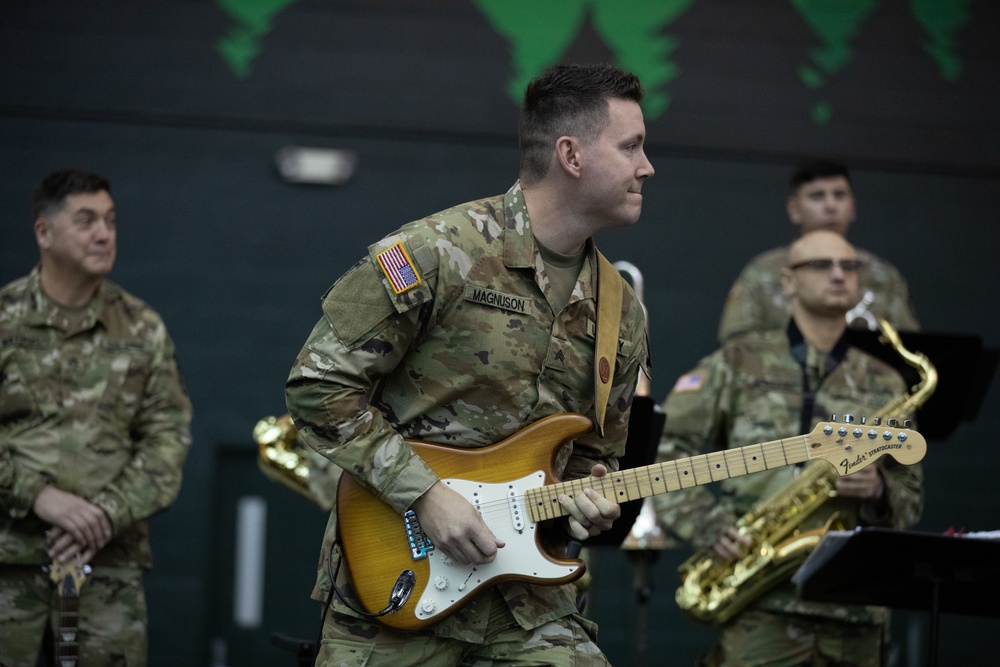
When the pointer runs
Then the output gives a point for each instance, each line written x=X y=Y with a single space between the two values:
x=398 y=268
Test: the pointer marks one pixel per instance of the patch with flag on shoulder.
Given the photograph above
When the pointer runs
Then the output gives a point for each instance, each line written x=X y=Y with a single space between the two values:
x=398 y=268
x=690 y=382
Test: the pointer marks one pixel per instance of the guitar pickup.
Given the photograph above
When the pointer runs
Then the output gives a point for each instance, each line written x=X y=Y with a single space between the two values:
x=420 y=545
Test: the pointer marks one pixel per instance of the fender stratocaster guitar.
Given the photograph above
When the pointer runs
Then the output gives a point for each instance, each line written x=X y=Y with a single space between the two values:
x=68 y=578
x=513 y=486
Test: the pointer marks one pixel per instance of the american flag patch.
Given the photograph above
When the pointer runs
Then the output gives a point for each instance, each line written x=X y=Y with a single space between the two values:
x=690 y=382
x=398 y=268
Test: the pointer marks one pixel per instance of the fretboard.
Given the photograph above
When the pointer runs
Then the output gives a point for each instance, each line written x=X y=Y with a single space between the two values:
x=653 y=480
x=66 y=647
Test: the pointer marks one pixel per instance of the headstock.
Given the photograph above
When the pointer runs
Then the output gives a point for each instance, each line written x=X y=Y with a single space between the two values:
x=851 y=447
x=68 y=576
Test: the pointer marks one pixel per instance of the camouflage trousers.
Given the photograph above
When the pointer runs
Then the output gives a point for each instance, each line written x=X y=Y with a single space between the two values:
x=112 y=621
x=758 y=638
x=564 y=642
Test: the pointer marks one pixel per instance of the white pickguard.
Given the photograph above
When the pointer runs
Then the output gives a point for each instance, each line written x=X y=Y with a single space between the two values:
x=502 y=507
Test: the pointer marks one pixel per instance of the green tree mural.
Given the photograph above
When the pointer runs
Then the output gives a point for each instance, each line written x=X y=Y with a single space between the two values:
x=941 y=21
x=243 y=42
x=540 y=32
x=836 y=23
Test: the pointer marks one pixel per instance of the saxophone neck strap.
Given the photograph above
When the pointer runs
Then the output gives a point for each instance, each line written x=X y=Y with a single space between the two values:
x=609 y=315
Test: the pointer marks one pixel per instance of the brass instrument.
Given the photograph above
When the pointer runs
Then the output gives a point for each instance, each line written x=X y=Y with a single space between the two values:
x=714 y=590
x=285 y=458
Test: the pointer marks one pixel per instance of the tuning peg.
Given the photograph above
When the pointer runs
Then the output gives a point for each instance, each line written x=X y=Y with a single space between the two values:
x=907 y=423
x=893 y=423
x=877 y=421
x=848 y=419
x=863 y=420
x=833 y=417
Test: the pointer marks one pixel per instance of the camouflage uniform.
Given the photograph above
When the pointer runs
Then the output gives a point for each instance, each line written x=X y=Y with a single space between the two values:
x=751 y=391
x=91 y=402
x=466 y=358
x=756 y=301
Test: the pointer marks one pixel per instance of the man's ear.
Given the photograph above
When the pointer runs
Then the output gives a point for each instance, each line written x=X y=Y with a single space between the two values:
x=787 y=282
x=568 y=155
x=43 y=235
x=792 y=207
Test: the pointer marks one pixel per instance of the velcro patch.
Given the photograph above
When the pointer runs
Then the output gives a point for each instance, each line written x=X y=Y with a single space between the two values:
x=398 y=268
x=624 y=345
x=488 y=297
x=690 y=382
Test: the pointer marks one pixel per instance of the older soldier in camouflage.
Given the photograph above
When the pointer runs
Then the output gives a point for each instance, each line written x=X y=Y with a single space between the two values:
x=94 y=429
x=488 y=327
x=821 y=198
x=766 y=385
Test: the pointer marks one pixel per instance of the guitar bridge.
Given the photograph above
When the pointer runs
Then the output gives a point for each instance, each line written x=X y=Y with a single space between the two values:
x=420 y=545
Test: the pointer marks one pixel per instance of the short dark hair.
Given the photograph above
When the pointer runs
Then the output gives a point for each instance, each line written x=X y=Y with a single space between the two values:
x=51 y=193
x=810 y=169
x=568 y=100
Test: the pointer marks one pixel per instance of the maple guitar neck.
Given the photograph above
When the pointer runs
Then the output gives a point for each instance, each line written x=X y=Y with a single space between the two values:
x=848 y=448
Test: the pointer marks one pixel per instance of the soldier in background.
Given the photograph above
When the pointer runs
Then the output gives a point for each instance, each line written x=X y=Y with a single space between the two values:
x=463 y=328
x=821 y=198
x=94 y=429
x=765 y=385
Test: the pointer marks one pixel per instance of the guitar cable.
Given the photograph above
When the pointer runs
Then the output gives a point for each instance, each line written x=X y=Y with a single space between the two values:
x=401 y=591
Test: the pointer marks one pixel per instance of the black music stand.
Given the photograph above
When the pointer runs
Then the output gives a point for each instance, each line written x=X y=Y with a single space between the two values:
x=965 y=369
x=905 y=570
x=645 y=426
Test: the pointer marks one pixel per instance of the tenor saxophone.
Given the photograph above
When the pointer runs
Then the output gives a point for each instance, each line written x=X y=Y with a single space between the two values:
x=714 y=590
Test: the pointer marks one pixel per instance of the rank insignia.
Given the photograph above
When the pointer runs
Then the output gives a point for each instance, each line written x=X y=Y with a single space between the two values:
x=398 y=268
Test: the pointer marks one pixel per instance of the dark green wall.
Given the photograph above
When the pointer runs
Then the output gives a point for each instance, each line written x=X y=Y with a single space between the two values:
x=236 y=260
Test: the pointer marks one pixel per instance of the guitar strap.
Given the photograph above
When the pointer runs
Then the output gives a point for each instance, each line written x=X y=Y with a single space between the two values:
x=609 y=315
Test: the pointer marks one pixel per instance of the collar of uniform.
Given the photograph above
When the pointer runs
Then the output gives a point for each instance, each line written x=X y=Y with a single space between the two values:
x=518 y=242
x=799 y=346
x=521 y=251
x=43 y=311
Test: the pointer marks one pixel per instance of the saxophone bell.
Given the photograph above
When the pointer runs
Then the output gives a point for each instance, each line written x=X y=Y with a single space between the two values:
x=284 y=458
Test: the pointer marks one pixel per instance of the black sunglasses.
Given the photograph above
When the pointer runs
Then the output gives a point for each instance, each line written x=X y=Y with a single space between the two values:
x=825 y=264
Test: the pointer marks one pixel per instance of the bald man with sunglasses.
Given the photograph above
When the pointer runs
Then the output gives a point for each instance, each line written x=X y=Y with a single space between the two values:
x=765 y=385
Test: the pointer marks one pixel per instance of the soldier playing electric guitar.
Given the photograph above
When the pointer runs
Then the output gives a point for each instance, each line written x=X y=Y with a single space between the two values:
x=463 y=328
